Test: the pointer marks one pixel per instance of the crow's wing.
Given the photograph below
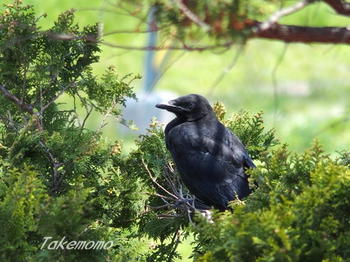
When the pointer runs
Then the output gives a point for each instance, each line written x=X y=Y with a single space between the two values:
x=221 y=151
x=211 y=169
x=213 y=178
x=227 y=147
x=235 y=143
x=218 y=194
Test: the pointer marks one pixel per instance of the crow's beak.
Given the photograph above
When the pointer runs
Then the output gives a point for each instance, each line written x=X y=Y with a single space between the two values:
x=171 y=107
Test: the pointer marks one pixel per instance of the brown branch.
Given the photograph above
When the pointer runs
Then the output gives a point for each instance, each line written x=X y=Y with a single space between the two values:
x=340 y=6
x=289 y=33
x=285 y=33
x=269 y=29
x=155 y=181
x=91 y=38
x=192 y=16
x=88 y=113
x=131 y=31
x=56 y=178
x=158 y=48
x=305 y=34
x=23 y=106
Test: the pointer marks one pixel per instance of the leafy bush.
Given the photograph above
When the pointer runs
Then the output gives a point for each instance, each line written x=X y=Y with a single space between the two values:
x=298 y=211
x=55 y=174
x=60 y=179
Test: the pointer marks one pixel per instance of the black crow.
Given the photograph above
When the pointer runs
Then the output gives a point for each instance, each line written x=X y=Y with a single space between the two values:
x=211 y=160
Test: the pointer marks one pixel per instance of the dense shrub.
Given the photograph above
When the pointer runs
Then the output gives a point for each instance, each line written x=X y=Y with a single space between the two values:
x=298 y=211
x=56 y=176
x=60 y=179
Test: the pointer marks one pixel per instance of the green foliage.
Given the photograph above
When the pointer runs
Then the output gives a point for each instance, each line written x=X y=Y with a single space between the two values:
x=250 y=129
x=298 y=213
x=111 y=87
x=59 y=179
x=166 y=219
x=227 y=19
x=21 y=193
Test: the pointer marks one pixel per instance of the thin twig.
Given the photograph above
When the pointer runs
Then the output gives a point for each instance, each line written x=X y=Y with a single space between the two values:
x=106 y=115
x=75 y=110
x=57 y=96
x=128 y=12
x=187 y=12
x=281 y=13
x=90 y=38
x=107 y=10
x=168 y=205
x=226 y=70
x=88 y=113
x=174 y=243
x=274 y=80
x=161 y=196
x=168 y=216
x=23 y=106
x=56 y=178
x=166 y=47
x=155 y=181
x=131 y=32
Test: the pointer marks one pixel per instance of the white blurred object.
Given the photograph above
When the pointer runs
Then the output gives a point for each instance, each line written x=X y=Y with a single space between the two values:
x=143 y=110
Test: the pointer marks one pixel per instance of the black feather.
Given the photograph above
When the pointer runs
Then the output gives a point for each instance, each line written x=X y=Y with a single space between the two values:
x=209 y=157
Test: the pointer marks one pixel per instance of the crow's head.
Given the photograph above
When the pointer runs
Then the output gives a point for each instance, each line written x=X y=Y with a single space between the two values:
x=191 y=107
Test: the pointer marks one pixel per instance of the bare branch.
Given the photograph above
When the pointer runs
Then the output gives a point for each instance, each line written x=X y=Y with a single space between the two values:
x=106 y=115
x=283 y=12
x=340 y=6
x=158 y=48
x=305 y=34
x=155 y=181
x=160 y=195
x=88 y=113
x=130 y=32
x=175 y=203
x=91 y=38
x=226 y=70
x=187 y=12
x=23 y=106
x=56 y=178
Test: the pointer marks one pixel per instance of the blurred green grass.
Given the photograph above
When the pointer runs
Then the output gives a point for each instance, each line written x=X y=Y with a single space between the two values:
x=302 y=89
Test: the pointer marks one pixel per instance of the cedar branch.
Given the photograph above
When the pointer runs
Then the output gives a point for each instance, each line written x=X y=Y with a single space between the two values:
x=305 y=34
x=23 y=106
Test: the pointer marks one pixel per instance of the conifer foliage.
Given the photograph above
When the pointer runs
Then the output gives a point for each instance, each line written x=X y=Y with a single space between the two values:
x=55 y=174
x=59 y=179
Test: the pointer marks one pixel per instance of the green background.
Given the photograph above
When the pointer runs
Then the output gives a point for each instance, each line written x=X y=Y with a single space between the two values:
x=302 y=89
